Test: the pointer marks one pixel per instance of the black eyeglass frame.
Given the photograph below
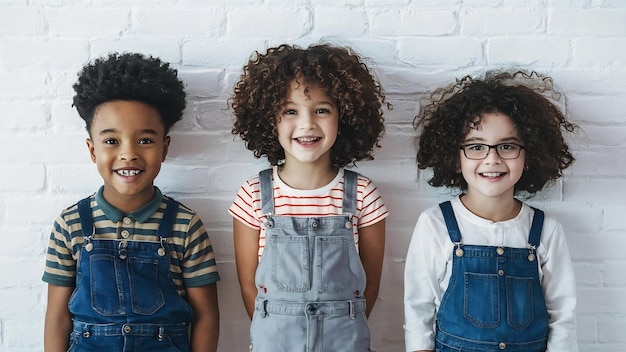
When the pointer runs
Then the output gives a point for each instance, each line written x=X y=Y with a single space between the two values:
x=494 y=146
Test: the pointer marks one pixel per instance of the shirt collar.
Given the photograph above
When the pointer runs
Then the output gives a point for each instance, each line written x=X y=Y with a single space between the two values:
x=141 y=215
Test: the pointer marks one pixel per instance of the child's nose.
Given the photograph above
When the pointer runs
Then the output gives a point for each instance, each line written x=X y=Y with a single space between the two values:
x=305 y=120
x=128 y=153
x=492 y=156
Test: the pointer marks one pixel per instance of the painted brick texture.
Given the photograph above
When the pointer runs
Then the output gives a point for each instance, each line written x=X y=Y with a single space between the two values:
x=413 y=46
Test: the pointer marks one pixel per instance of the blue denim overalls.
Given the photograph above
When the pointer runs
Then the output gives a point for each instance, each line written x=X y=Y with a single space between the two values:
x=494 y=301
x=310 y=281
x=125 y=299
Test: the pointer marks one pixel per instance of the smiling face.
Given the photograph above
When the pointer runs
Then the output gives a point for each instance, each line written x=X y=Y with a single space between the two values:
x=307 y=125
x=492 y=178
x=127 y=144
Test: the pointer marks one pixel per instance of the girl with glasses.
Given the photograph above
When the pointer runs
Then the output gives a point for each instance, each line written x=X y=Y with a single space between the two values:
x=485 y=271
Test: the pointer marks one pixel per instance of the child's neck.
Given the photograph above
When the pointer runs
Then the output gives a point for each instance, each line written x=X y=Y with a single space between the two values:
x=128 y=204
x=494 y=209
x=306 y=176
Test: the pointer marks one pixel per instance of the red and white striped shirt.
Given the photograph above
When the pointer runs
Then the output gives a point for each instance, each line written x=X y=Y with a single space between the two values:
x=324 y=201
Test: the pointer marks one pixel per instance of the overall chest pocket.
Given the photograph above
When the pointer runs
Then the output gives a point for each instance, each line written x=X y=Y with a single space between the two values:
x=482 y=300
x=332 y=263
x=519 y=302
x=481 y=304
x=106 y=284
x=290 y=262
x=146 y=293
x=112 y=279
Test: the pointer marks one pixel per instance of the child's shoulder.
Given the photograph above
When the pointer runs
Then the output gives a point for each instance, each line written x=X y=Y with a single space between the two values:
x=362 y=179
x=71 y=212
x=183 y=212
x=253 y=180
x=433 y=213
x=360 y=176
x=68 y=222
x=550 y=222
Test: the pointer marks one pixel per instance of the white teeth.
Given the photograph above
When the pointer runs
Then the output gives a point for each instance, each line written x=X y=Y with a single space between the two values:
x=307 y=139
x=492 y=174
x=128 y=172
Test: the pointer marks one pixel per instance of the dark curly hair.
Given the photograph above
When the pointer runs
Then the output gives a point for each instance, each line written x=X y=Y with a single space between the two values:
x=130 y=76
x=263 y=86
x=448 y=114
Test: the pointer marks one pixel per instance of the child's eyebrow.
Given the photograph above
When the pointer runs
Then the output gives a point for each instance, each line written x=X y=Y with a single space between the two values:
x=322 y=102
x=108 y=130
x=503 y=140
x=149 y=131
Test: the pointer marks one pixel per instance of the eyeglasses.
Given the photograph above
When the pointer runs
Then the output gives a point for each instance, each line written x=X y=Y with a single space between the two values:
x=479 y=151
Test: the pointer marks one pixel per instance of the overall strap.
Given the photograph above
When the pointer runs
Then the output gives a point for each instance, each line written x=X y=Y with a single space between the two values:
x=267 y=191
x=451 y=224
x=168 y=219
x=534 y=238
x=349 y=191
x=86 y=219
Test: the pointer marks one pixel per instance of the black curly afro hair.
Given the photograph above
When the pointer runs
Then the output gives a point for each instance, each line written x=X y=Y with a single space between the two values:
x=448 y=114
x=131 y=77
x=263 y=86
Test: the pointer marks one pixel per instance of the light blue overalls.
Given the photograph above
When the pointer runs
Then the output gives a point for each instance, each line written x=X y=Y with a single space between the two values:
x=494 y=301
x=310 y=281
x=125 y=299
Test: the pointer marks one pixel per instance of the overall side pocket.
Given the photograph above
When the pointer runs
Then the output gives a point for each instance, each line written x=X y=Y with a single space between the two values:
x=481 y=305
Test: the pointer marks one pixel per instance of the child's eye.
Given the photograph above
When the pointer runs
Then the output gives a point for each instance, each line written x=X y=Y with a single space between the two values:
x=146 y=141
x=109 y=141
x=322 y=111
x=289 y=112
x=476 y=147
x=508 y=147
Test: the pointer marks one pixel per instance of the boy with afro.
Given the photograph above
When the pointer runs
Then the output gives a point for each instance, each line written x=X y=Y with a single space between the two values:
x=128 y=268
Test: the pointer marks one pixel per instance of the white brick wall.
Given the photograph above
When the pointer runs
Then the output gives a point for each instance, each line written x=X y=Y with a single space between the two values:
x=416 y=44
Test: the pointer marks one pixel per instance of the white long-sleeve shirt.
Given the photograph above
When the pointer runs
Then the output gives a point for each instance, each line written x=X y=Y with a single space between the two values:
x=429 y=266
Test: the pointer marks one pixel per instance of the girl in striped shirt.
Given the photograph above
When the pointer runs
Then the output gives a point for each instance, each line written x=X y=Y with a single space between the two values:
x=309 y=235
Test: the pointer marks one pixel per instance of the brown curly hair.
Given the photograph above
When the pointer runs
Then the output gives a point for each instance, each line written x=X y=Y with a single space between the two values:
x=448 y=114
x=263 y=86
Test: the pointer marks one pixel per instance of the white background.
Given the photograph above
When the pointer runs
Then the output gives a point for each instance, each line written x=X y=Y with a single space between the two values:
x=416 y=45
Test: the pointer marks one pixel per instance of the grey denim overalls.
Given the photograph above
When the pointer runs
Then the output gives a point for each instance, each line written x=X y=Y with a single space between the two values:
x=310 y=281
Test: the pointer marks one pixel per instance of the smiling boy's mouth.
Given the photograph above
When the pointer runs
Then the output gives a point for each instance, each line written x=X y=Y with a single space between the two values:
x=128 y=172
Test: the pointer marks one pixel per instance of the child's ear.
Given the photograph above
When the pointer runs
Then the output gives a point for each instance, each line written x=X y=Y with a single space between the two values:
x=90 y=146
x=166 y=147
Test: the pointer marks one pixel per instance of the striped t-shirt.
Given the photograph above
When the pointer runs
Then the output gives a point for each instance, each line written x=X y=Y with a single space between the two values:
x=324 y=201
x=192 y=259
